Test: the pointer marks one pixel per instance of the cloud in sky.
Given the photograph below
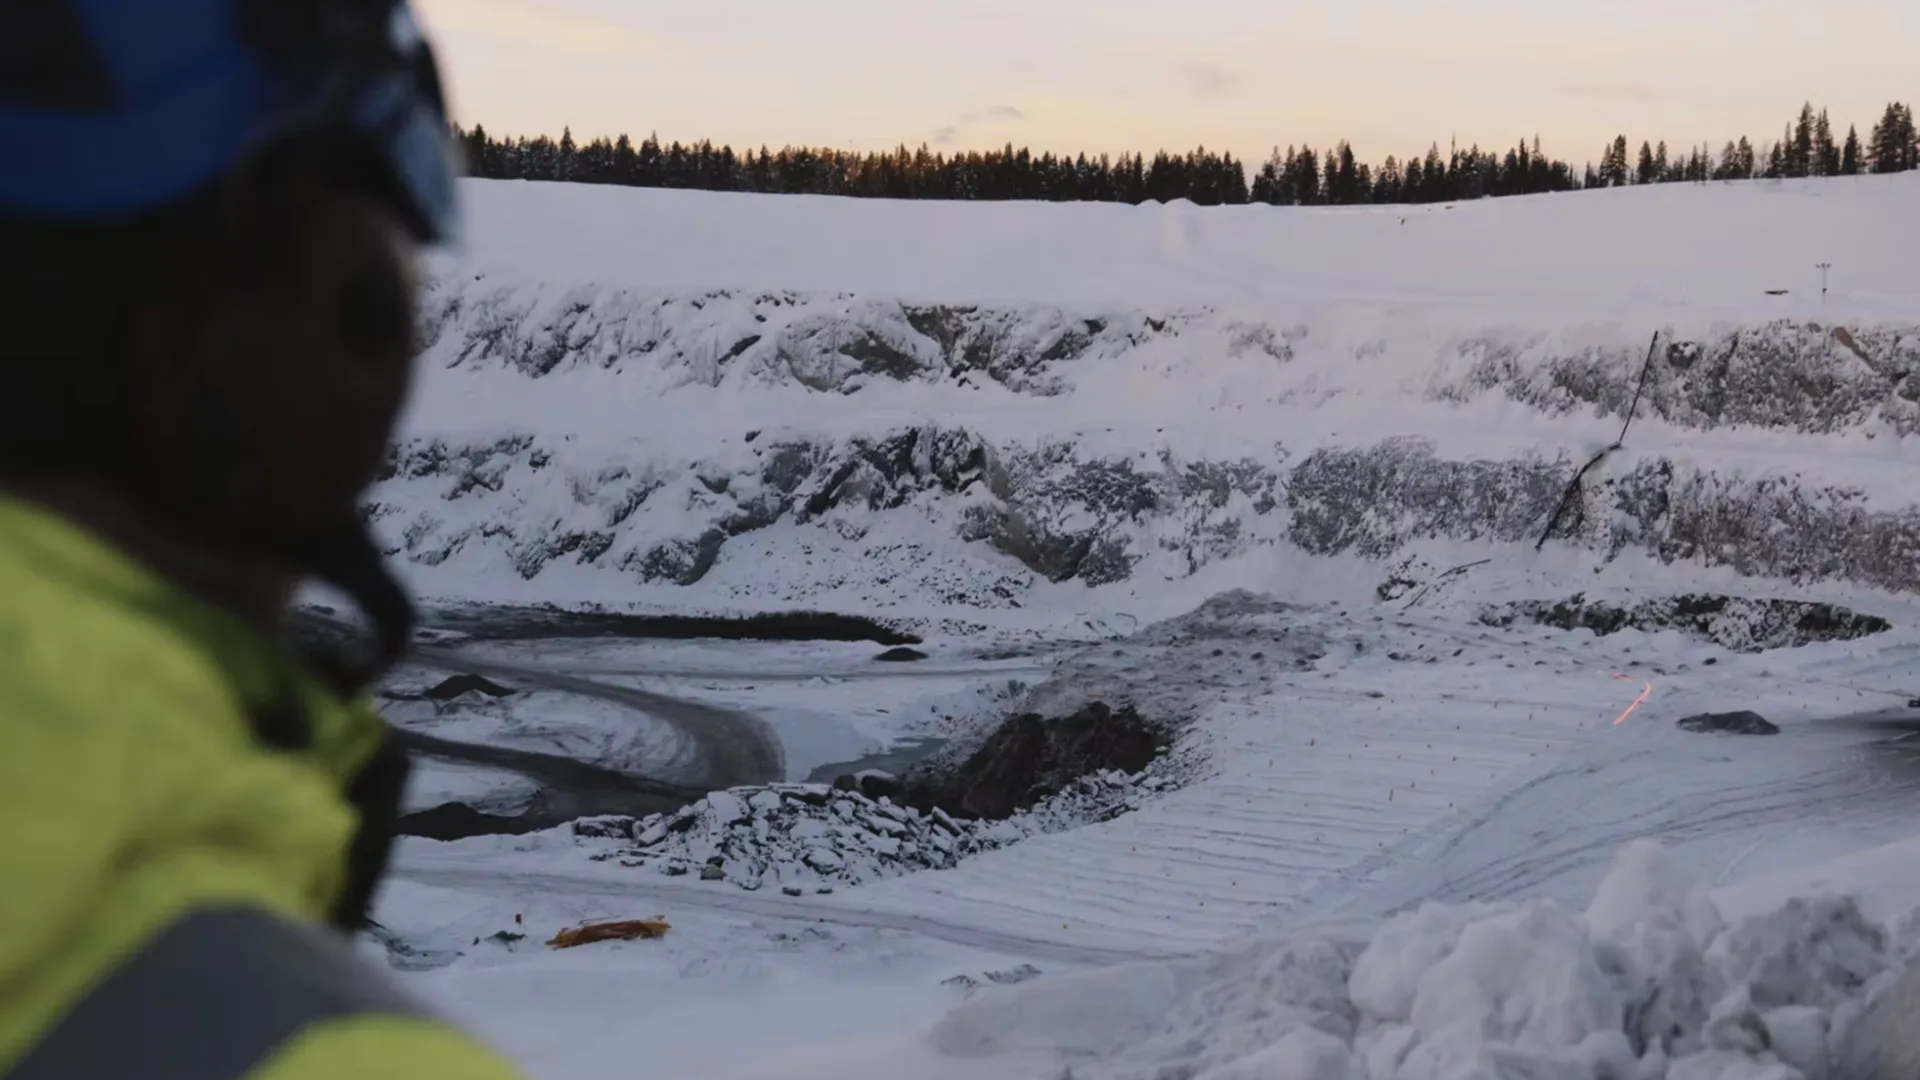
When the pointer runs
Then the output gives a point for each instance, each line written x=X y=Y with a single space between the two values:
x=1206 y=79
x=950 y=133
x=530 y=22
x=1610 y=89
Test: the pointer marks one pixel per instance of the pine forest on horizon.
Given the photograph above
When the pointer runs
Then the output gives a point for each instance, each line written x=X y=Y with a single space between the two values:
x=1296 y=177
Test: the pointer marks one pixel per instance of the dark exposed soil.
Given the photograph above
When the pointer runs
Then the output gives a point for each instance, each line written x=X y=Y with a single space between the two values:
x=457 y=821
x=453 y=687
x=1741 y=624
x=901 y=655
x=1729 y=723
x=325 y=627
x=1031 y=757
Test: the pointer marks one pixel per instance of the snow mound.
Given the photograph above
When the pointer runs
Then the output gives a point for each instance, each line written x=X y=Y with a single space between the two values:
x=1649 y=983
x=813 y=837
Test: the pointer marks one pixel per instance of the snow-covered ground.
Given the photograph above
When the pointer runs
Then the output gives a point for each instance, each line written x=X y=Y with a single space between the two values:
x=1050 y=438
x=1366 y=783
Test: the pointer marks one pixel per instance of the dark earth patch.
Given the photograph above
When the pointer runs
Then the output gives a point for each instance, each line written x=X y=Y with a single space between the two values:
x=901 y=655
x=1730 y=723
x=494 y=623
x=323 y=627
x=1031 y=757
x=452 y=687
x=457 y=821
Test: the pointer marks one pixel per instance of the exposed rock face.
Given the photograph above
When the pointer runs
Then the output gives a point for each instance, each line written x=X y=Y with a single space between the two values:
x=1739 y=623
x=882 y=505
x=1784 y=375
x=831 y=344
x=1064 y=515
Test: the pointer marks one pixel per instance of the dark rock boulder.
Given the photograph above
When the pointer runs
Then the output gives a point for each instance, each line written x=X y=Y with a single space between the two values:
x=1730 y=723
x=901 y=655
x=877 y=786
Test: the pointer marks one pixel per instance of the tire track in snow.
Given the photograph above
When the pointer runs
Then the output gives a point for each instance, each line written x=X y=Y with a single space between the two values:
x=644 y=890
x=1554 y=833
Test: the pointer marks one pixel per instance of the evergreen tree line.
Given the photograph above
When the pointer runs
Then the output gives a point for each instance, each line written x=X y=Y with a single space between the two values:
x=1298 y=176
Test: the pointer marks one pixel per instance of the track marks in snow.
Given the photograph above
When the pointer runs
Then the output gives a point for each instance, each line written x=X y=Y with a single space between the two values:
x=1312 y=782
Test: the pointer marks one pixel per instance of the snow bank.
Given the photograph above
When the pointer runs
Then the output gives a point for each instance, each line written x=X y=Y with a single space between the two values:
x=1649 y=982
x=729 y=401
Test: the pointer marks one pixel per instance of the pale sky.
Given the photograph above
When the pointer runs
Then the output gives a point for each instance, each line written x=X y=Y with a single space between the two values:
x=1113 y=75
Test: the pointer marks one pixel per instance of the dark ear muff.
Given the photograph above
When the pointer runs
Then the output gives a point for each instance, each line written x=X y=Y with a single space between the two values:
x=218 y=449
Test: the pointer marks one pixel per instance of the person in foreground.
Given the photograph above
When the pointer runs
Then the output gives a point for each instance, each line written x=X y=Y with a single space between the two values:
x=208 y=216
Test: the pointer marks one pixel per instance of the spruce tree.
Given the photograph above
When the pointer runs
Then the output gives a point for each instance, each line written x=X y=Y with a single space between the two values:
x=1616 y=167
x=1883 y=152
x=1799 y=153
x=1387 y=182
x=1645 y=171
x=1850 y=162
x=563 y=157
x=1907 y=138
x=1826 y=154
x=1348 y=175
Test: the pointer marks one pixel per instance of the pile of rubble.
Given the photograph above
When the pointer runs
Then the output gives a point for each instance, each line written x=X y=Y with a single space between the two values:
x=813 y=837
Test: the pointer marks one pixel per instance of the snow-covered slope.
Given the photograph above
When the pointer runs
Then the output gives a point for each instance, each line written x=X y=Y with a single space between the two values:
x=708 y=400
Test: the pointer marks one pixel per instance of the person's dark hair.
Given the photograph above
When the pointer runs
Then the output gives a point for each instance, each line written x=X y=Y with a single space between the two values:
x=70 y=292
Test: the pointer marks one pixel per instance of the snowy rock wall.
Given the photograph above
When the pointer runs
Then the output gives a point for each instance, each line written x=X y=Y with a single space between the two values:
x=963 y=454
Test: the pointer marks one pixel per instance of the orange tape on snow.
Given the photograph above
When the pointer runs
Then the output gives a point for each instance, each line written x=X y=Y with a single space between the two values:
x=1646 y=691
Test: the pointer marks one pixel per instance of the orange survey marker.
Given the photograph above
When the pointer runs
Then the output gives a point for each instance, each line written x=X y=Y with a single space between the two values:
x=1646 y=691
x=623 y=930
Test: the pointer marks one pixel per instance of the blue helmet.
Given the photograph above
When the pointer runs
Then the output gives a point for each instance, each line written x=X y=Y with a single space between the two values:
x=111 y=108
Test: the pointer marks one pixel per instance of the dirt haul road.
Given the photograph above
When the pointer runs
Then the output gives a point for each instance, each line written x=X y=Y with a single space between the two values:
x=730 y=748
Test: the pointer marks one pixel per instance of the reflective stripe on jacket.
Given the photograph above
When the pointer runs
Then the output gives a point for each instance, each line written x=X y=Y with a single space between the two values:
x=177 y=829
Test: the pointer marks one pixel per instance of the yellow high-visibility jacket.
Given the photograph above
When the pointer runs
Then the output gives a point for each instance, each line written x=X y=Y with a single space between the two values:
x=178 y=830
